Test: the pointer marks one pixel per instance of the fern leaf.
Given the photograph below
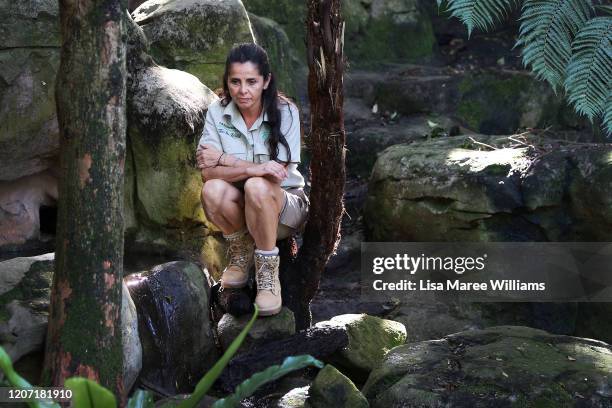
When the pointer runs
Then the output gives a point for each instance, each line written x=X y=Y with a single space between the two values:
x=589 y=72
x=479 y=14
x=546 y=33
x=607 y=117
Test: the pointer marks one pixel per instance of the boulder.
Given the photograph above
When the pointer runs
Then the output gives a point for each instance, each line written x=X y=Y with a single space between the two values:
x=370 y=338
x=194 y=35
x=166 y=108
x=452 y=189
x=172 y=302
x=429 y=320
x=20 y=203
x=331 y=388
x=500 y=366
x=488 y=100
x=291 y=72
x=29 y=135
x=376 y=30
x=25 y=289
x=264 y=329
x=296 y=398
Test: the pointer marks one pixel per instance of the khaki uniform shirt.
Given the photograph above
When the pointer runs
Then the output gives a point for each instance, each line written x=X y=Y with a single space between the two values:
x=226 y=131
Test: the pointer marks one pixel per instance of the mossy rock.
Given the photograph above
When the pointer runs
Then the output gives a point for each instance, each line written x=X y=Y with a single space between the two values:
x=264 y=329
x=194 y=35
x=452 y=189
x=290 y=71
x=376 y=31
x=370 y=338
x=331 y=388
x=509 y=366
x=29 y=135
x=500 y=103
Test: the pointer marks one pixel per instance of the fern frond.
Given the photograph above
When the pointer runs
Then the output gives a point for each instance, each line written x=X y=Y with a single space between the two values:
x=546 y=33
x=589 y=72
x=479 y=13
x=607 y=117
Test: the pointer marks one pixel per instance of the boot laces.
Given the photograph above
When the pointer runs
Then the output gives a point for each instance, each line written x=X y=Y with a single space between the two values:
x=266 y=274
x=239 y=252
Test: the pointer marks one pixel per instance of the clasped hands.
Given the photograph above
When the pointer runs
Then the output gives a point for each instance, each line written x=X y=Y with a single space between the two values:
x=208 y=157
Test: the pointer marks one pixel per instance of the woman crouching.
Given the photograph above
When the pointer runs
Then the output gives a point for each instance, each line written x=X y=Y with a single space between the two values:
x=248 y=155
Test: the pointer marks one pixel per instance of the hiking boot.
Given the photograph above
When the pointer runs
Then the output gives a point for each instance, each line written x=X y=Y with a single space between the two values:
x=241 y=248
x=268 y=285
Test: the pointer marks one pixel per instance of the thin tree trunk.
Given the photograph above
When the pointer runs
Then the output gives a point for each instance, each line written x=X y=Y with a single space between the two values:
x=301 y=275
x=84 y=335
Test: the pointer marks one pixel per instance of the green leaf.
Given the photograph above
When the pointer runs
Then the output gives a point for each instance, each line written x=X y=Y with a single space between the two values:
x=589 y=72
x=141 y=399
x=546 y=33
x=605 y=9
x=607 y=117
x=479 y=13
x=15 y=380
x=211 y=376
x=89 y=394
x=248 y=387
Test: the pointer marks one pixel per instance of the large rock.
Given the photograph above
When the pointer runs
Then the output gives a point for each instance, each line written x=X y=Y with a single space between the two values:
x=29 y=135
x=331 y=388
x=194 y=35
x=166 y=108
x=291 y=72
x=25 y=290
x=501 y=366
x=370 y=338
x=20 y=203
x=264 y=329
x=451 y=189
x=376 y=30
x=172 y=301
x=491 y=100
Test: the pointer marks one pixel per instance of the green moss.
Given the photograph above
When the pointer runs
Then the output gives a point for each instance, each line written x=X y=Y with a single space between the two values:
x=375 y=44
x=493 y=104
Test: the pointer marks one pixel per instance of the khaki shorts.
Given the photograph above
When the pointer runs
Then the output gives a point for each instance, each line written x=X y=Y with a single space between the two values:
x=294 y=213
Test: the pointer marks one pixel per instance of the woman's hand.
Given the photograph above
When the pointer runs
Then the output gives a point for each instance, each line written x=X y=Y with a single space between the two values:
x=207 y=156
x=272 y=170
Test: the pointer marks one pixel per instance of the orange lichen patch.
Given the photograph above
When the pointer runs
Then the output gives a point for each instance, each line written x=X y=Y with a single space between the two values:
x=65 y=358
x=64 y=290
x=109 y=279
x=87 y=372
x=84 y=166
x=110 y=317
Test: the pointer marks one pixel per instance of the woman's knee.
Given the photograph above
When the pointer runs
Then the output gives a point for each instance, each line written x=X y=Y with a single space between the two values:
x=259 y=189
x=215 y=193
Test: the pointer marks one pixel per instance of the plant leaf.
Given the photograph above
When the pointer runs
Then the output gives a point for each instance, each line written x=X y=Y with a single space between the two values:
x=607 y=117
x=89 y=394
x=479 y=13
x=248 y=387
x=141 y=399
x=589 y=72
x=208 y=380
x=15 y=380
x=546 y=33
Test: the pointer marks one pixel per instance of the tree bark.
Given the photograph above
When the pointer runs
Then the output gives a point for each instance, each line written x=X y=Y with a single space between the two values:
x=84 y=335
x=301 y=272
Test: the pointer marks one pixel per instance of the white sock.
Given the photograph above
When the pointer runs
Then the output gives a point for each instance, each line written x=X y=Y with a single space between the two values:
x=270 y=252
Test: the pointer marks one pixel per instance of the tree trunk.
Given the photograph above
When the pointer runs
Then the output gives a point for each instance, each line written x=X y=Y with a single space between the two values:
x=84 y=335
x=301 y=274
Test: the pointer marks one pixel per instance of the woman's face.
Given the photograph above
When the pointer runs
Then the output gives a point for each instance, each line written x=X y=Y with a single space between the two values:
x=246 y=86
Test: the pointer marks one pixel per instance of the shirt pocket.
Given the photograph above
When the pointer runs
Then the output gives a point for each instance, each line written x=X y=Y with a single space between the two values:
x=234 y=147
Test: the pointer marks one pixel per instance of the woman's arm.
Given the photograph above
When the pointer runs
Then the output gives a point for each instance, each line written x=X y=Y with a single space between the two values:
x=217 y=165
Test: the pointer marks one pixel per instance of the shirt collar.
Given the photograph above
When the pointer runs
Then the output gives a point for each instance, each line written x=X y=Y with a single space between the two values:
x=232 y=111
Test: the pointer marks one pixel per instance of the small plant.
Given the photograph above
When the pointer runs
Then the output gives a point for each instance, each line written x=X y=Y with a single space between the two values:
x=89 y=394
